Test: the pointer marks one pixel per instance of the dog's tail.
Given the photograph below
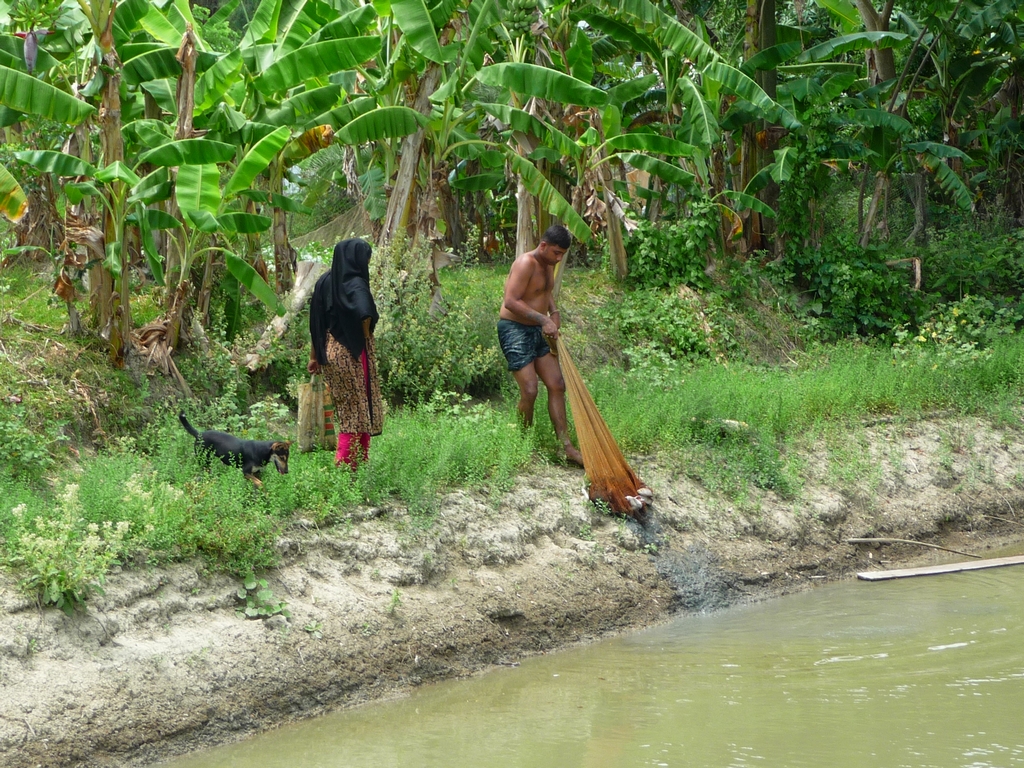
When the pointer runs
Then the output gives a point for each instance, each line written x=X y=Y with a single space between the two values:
x=188 y=427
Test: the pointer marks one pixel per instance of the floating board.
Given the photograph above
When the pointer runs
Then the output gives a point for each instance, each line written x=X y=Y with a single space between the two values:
x=931 y=570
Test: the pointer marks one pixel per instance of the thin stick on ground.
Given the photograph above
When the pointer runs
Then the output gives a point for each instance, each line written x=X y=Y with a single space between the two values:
x=910 y=541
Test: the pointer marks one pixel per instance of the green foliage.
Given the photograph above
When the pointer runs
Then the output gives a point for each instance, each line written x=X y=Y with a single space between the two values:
x=28 y=453
x=848 y=290
x=421 y=351
x=449 y=443
x=395 y=602
x=219 y=35
x=258 y=600
x=63 y=559
x=661 y=330
x=955 y=333
x=667 y=255
x=809 y=180
x=972 y=260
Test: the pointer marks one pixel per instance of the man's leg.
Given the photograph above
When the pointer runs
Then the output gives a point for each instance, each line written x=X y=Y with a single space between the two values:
x=526 y=378
x=551 y=374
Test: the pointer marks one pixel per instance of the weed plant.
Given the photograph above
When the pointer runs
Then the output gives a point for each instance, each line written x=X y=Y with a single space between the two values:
x=452 y=423
x=166 y=504
x=429 y=343
x=737 y=421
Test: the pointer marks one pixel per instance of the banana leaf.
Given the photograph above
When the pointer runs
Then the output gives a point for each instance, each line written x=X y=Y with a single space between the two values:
x=250 y=278
x=549 y=197
x=413 y=18
x=855 y=42
x=744 y=201
x=542 y=82
x=380 y=123
x=13 y=202
x=189 y=152
x=664 y=171
x=478 y=183
x=939 y=150
x=650 y=142
x=49 y=161
x=256 y=160
x=117 y=171
x=699 y=118
x=217 y=80
x=198 y=188
x=244 y=223
x=520 y=120
x=318 y=60
x=22 y=92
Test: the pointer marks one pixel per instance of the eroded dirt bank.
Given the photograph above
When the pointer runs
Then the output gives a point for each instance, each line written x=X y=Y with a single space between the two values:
x=162 y=664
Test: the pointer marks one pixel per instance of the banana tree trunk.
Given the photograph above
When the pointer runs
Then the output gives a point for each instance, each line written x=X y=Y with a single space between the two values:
x=917 y=184
x=869 y=220
x=401 y=202
x=285 y=257
x=40 y=227
x=525 y=237
x=881 y=62
x=118 y=315
x=616 y=244
x=749 y=151
x=179 y=282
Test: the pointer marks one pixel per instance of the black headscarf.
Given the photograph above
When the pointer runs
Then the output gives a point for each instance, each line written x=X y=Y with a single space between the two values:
x=342 y=300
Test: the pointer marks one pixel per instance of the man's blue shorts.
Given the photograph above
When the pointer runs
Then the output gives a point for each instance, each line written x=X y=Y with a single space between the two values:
x=522 y=344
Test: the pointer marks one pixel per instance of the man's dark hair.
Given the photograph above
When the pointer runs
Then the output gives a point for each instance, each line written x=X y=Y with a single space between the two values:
x=558 y=235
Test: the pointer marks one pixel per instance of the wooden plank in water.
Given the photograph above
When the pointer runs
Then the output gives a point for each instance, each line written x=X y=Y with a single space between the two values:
x=931 y=570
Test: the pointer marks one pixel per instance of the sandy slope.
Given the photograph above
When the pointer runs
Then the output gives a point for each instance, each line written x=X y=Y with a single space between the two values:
x=163 y=664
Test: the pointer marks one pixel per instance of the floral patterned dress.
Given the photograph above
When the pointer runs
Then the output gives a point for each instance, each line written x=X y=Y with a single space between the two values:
x=358 y=406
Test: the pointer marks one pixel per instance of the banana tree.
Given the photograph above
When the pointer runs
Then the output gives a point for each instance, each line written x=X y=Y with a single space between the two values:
x=212 y=216
x=109 y=185
x=528 y=132
x=292 y=91
x=697 y=88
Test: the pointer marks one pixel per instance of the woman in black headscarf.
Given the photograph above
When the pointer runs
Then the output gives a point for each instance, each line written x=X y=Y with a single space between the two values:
x=342 y=317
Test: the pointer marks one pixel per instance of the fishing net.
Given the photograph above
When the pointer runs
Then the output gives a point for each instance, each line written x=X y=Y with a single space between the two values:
x=611 y=478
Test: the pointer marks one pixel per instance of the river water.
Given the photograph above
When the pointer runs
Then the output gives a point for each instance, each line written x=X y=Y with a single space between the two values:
x=926 y=671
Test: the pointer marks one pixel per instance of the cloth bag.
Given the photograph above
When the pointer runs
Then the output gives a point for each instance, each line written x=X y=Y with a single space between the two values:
x=316 y=416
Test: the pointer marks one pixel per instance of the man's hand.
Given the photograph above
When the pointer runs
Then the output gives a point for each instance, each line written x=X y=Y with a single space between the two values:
x=549 y=328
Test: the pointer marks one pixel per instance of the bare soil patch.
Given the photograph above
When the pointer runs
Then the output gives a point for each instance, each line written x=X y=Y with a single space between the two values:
x=163 y=664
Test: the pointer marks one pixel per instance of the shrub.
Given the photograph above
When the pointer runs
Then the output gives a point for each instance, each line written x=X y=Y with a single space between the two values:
x=27 y=451
x=421 y=348
x=662 y=329
x=667 y=255
x=850 y=290
x=65 y=559
x=957 y=332
x=958 y=262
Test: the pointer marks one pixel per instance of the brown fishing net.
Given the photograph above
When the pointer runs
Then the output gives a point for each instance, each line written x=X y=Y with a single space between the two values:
x=611 y=478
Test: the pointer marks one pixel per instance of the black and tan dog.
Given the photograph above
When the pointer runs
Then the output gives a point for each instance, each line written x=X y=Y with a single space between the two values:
x=250 y=455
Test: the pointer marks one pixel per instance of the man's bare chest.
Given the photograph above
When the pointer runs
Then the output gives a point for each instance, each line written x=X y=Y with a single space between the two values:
x=540 y=281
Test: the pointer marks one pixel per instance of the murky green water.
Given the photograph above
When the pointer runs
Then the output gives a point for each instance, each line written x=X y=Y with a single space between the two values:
x=916 y=672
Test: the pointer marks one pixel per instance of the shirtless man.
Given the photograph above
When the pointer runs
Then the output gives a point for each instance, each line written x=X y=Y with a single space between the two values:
x=528 y=315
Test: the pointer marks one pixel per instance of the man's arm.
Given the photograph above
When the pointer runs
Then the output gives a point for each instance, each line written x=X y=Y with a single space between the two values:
x=553 y=312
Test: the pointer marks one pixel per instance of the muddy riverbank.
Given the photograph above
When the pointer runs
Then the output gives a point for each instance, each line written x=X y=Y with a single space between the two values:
x=163 y=664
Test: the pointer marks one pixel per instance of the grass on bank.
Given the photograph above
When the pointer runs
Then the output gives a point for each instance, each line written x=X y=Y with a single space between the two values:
x=142 y=498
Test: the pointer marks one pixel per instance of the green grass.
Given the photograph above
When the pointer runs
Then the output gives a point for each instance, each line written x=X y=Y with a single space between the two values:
x=840 y=386
x=136 y=464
